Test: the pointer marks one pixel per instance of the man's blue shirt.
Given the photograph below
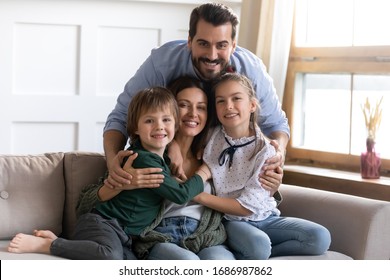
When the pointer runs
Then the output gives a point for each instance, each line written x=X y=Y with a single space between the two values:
x=173 y=60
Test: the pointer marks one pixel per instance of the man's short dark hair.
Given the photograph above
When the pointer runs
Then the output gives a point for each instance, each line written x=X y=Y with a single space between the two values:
x=214 y=13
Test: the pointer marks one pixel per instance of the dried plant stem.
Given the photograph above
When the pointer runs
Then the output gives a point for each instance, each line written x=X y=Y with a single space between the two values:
x=372 y=117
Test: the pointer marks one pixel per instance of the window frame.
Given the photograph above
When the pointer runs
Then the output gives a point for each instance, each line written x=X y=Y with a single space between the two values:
x=330 y=60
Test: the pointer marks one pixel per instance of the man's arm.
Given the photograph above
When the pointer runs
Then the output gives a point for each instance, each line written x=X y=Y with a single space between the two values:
x=126 y=178
x=114 y=143
x=272 y=174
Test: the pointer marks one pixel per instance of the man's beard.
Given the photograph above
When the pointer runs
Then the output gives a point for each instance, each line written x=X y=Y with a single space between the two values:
x=208 y=75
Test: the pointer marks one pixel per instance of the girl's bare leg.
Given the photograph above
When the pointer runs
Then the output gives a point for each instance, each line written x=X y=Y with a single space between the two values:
x=40 y=242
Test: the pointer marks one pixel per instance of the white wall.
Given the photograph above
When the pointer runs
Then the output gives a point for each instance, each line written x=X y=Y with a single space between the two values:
x=63 y=63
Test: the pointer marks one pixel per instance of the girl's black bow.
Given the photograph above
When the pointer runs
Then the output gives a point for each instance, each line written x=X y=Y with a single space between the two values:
x=229 y=151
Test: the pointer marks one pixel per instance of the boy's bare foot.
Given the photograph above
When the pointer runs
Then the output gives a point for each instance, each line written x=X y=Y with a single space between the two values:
x=45 y=234
x=26 y=243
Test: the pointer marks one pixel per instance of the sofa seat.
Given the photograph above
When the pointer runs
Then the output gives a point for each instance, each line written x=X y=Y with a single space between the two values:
x=5 y=255
x=41 y=192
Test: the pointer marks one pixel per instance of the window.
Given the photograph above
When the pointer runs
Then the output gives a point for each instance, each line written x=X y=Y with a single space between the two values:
x=340 y=55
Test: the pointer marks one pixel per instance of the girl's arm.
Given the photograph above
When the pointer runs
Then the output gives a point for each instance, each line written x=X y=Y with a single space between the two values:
x=92 y=194
x=171 y=189
x=106 y=193
x=225 y=205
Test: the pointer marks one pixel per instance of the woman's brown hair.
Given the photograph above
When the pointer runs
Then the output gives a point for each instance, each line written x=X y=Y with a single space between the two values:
x=185 y=82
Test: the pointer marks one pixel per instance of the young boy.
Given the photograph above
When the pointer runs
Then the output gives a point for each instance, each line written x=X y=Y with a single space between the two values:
x=108 y=230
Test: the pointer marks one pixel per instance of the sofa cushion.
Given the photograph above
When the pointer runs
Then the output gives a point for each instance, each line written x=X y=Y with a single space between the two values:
x=81 y=169
x=360 y=227
x=32 y=193
x=5 y=255
x=328 y=255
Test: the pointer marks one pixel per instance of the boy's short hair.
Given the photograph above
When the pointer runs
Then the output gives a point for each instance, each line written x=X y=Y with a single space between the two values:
x=150 y=99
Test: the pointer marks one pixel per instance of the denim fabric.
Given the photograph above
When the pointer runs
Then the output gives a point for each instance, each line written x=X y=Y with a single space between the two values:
x=171 y=251
x=276 y=236
x=94 y=238
x=180 y=228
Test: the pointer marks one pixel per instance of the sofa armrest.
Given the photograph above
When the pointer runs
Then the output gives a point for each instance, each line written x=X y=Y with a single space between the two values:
x=360 y=227
x=80 y=170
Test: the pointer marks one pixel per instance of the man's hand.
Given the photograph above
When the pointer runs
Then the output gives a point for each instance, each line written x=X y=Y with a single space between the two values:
x=272 y=174
x=143 y=177
x=117 y=176
x=277 y=160
x=135 y=178
x=270 y=180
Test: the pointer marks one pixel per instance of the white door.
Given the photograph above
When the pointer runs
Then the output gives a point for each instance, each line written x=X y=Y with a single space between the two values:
x=63 y=63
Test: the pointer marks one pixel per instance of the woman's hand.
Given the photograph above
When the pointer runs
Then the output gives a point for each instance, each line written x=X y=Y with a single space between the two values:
x=176 y=158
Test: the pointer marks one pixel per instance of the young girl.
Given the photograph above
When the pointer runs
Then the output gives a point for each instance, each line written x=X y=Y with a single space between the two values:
x=107 y=231
x=235 y=155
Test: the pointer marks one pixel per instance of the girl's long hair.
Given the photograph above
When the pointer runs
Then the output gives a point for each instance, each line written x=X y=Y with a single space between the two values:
x=253 y=121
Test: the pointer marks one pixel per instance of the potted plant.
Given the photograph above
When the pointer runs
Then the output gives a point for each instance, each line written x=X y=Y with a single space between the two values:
x=370 y=162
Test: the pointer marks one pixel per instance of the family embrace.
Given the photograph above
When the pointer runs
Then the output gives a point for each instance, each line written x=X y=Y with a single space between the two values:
x=200 y=178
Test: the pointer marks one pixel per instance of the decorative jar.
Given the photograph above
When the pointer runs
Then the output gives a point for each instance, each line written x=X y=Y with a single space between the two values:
x=370 y=161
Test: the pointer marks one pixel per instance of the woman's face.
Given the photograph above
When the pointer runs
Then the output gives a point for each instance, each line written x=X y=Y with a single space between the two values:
x=192 y=111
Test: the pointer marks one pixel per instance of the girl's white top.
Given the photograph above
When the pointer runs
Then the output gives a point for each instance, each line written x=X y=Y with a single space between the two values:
x=241 y=181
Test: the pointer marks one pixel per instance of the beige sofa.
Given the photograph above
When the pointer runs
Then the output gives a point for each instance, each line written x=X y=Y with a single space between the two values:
x=41 y=191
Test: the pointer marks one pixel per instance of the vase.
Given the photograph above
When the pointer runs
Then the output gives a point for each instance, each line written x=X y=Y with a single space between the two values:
x=370 y=161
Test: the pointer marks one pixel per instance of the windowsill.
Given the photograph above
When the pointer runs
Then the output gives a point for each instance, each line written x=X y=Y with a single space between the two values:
x=337 y=181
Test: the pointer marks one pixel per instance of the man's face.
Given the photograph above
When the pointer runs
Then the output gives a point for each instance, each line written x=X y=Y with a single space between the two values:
x=211 y=48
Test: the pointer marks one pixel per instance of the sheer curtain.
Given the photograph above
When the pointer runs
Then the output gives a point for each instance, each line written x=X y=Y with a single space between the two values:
x=265 y=29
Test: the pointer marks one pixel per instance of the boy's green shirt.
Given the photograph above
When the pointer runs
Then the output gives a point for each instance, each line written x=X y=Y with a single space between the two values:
x=136 y=209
